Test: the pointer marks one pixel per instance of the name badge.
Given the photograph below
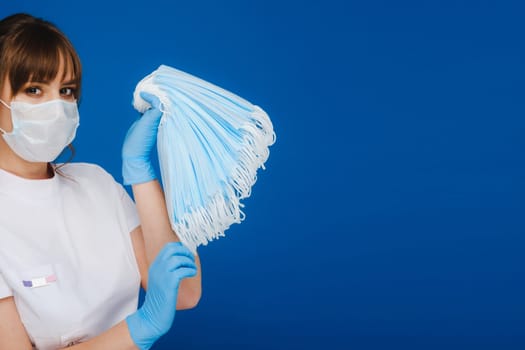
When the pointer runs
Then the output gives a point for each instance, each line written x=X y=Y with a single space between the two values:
x=40 y=281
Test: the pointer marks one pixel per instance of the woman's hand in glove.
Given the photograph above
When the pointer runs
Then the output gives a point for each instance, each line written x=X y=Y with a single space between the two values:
x=139 y=141
x=154 y=319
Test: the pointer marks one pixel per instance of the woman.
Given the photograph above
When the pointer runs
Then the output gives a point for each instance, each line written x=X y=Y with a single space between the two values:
x=74 y=248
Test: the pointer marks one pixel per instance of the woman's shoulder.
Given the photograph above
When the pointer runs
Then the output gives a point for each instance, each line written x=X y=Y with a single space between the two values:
x=84 y=171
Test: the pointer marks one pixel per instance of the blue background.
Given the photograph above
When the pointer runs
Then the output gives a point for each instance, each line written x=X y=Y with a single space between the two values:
x=391 y=211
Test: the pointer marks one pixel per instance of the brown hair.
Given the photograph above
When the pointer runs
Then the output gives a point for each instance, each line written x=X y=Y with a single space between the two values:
x=31 y=49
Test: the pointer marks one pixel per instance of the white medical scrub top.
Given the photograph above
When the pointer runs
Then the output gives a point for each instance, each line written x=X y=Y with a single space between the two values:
x=66 y=254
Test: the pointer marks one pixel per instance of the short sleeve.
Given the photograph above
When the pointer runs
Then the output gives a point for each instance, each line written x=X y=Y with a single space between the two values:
x=5 y=290
x=130 y=210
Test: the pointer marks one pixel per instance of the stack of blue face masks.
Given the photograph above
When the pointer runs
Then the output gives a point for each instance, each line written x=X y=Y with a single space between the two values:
x=210 y=144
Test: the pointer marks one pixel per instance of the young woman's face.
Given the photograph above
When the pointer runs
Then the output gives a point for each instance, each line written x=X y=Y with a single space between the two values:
x=37 y=92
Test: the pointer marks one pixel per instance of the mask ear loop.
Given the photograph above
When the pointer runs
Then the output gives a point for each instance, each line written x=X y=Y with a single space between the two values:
x=8 y=107
x=5 y=104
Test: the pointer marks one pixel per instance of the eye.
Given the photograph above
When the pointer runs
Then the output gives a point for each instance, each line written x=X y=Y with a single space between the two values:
x=68 y=91
x=33 y=91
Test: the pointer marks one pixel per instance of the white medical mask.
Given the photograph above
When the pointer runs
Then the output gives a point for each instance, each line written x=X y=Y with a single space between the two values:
x=41 y=131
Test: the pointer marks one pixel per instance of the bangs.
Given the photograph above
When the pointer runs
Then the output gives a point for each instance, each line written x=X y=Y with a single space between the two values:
x=38 y=57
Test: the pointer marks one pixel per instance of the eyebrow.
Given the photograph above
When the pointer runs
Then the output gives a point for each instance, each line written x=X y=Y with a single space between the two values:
x=69 y=82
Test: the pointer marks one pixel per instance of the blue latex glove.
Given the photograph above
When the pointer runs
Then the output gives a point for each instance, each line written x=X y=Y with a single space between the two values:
x=140 y=139
x=154 y=319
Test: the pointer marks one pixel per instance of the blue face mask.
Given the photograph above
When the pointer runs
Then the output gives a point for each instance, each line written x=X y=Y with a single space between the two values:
x=210 y=144
x=41 y=131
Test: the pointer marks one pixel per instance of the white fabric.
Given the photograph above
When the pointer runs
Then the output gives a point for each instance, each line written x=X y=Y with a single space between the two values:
x=4 y=288
x=74 y=226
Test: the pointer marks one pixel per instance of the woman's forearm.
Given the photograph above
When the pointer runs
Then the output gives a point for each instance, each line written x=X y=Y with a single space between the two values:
x=154 y=220
x=157 y=231
x=115 y=338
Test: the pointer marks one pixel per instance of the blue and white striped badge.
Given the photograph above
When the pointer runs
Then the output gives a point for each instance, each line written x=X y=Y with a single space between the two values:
x=40 y=281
